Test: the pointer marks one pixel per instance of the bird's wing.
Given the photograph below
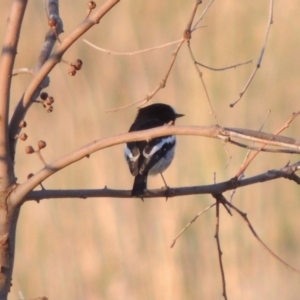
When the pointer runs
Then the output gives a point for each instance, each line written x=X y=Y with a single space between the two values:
x=141 y=156
x=154 y=151
x=132 y=154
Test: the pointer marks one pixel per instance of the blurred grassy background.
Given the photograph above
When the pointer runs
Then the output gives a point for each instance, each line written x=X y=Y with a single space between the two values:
x=119 y=248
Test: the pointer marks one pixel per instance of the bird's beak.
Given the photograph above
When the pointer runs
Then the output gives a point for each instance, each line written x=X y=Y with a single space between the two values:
x=179 y=115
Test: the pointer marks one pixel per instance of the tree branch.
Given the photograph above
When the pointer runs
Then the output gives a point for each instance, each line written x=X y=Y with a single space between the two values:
x=250 y=158
x=163 y=82
x=51 y=62
x=215 y=189
x=45 y=52
x=217 y=237
x=210 y=131
x=245 y=218
x=7 y=61
x=131 y=53
x=262 y=51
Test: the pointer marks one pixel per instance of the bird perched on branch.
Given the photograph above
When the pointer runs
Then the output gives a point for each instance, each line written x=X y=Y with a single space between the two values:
x=154 y=156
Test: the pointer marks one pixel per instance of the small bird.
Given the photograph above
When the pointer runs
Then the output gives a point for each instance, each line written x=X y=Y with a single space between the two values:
x=155 y=156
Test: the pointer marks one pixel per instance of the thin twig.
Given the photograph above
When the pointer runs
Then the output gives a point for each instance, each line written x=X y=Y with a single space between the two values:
x=22 y=71
x=196 y=63
x=265 y=120
x=224 y=68
x=133 y=52
x=245 y=218
x=229 y=156
x=192 y=17
x=39 y=81
x=212 y=111
x=263 y=149
x=202 y=15
x=160 y=86
x=52 y=8
x=39 y=155
x=190 y=223
x=248 y=153
x=220 y=253
x=260 y=129
x=258 y=64
x=254 y=154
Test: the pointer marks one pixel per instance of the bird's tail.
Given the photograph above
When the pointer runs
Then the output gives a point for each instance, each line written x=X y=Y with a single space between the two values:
x=139 y=185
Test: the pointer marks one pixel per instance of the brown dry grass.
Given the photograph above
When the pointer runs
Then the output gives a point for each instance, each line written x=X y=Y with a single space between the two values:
x=119 y=249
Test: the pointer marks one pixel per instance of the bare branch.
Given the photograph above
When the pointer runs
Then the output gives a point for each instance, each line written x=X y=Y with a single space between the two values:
x=248 y=153
x=7 y=61
x=133 y=52
x=22 y=71
x=225 y=68
x=244 y=216
x=56 y=28
x=212 y=112
x=192 y=17
x=190 y=223
x=293 y=177
x=263 y=149
x=45 y=52
x=258 y=64
x=260 y=137
x=162 y=84
x=220 y=253
x=202 y=15
x=25 y=189
x=51 y=62
x=250 y=158
x=210 y=131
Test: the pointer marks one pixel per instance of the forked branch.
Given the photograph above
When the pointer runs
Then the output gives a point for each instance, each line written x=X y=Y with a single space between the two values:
x=51 y=62
x=211 y=131
x=261 y=55
x=8 y=55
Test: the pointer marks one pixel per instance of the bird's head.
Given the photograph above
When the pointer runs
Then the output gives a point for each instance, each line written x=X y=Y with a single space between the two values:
x=163 y=112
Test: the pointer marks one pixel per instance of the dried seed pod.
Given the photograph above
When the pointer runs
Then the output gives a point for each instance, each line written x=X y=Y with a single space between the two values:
x=49 y=109
x=52 y=21
x=44 y=95
x=41 y=144
x=49 y=100
x=23 y=136
x=92 y=5
x=72 y=71
x=78 y=64
x=22 y=124
x=29 y=150
x=29 y=175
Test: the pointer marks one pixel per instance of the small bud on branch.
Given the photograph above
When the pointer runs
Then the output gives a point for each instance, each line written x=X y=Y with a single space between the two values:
x=29 y=150
x=41 y=144
x=22 y=124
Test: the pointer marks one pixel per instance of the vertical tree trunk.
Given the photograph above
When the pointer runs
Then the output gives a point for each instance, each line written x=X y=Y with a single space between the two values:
x=8 y=223
x=8 y=213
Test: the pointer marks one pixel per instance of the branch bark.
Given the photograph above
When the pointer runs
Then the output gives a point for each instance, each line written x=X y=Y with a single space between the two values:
x=8 y=55
x=23 y=189
x=8 y=215
x=45 y=52
x=50 y=63
x=9 y=210
x=217 y=188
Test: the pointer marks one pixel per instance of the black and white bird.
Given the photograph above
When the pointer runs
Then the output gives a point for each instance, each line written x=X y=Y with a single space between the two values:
x=155 y=156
